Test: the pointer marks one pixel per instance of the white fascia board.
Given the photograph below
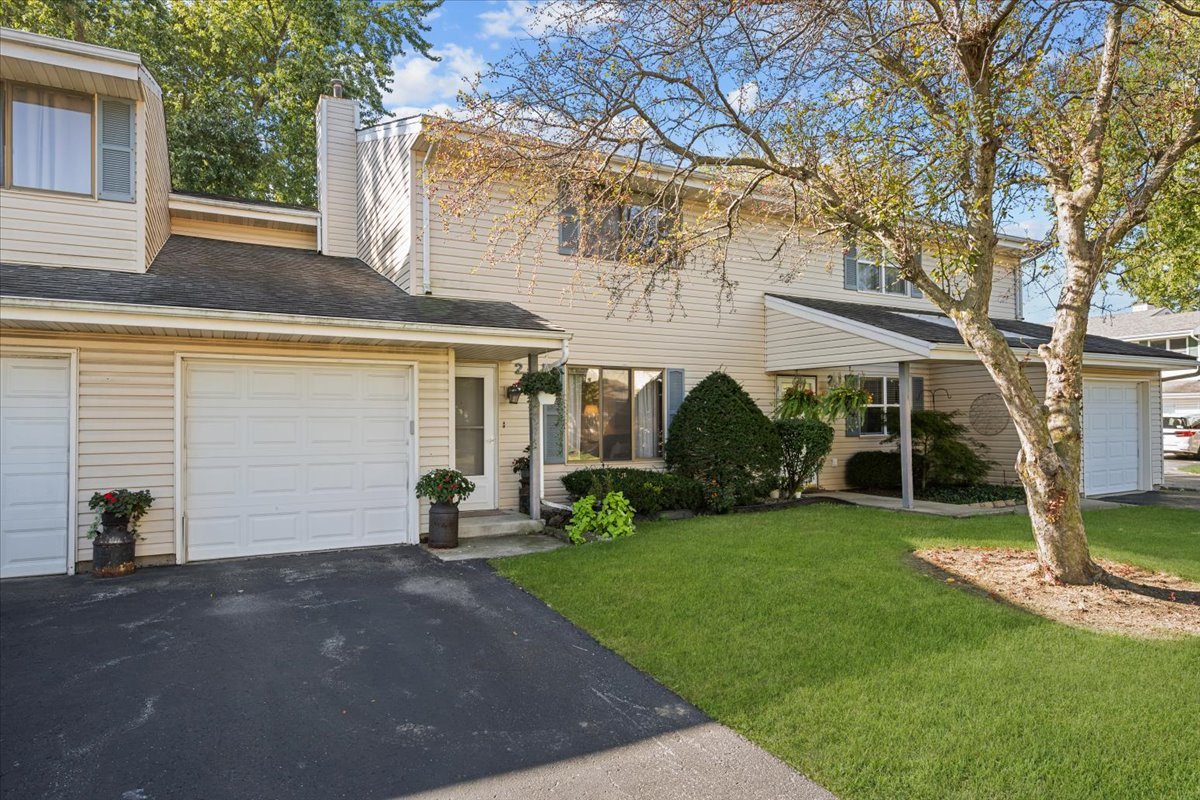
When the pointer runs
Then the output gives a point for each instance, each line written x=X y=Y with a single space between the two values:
x=404 y=126
x=960 y=352
x=918 y=347
x=68 y=54
x=24 y=309
x=242 y=209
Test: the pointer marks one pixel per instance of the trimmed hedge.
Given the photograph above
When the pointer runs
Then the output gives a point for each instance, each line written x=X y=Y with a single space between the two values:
x=874 y=469
x=647 y=490
x=720 y=437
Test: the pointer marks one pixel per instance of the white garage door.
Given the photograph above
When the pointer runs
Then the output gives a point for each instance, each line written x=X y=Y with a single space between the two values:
x=1110 y=437
x=286 y=457
x=35 y=445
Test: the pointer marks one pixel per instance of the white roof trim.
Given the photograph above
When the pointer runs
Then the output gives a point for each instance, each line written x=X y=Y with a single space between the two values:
x=917 y=347
x=27 y=309
x=70 y=54
x=242 y=209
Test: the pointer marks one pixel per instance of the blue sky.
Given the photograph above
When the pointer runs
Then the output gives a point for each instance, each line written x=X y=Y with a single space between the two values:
x=467 y=34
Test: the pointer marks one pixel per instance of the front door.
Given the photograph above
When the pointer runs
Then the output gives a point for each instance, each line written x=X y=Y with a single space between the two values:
x=475 y=433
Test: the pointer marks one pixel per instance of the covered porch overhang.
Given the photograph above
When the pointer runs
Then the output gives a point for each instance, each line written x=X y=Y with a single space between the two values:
x=813 y=336
x=468 y=342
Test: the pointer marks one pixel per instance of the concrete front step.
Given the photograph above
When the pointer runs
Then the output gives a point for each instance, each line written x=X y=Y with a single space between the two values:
x=498 y=523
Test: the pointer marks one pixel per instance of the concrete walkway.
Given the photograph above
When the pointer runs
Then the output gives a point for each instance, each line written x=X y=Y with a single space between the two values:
x=948 y=509
x=369 y=674
x=485 y=547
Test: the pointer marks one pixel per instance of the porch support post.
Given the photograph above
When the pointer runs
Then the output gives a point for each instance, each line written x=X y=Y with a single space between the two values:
x=535 y=449
x=906 y=445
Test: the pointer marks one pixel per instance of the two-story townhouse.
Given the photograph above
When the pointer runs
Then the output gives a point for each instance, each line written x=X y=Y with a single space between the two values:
x=272 y=391
x=278 y=376
x=811 y=315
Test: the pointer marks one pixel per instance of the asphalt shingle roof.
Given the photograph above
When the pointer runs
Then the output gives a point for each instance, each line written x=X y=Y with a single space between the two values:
x=1144 y=324
x=1019 y=332
x=191 y=272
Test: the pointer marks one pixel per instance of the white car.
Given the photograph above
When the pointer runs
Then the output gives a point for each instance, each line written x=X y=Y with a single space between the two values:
x=1181 y=436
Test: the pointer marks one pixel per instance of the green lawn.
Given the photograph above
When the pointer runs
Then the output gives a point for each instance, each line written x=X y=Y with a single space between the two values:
x=806 y=631
x=1193 y=469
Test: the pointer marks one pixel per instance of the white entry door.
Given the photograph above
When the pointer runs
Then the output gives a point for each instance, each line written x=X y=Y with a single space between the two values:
x=35 y=448
x=475 y=433
x=287 y=457
x=1111 y=433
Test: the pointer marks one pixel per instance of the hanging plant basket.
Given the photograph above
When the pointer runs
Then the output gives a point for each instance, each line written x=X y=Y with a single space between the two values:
x=543 y=382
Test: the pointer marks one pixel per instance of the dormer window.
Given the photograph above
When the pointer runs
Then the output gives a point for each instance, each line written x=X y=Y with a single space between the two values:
x=58 y=141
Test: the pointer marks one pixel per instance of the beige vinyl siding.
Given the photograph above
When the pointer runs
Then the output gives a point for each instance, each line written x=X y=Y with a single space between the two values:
x=956 y=385
x=156 y=187
x=232 y=229
x=126 y=405
x=337 y=157
x=793 y=343
x=60 y=230
x=385 y=207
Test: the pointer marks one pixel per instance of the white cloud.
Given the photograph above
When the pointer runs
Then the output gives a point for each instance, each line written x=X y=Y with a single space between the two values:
x=514 y=18
x=419 y=84
x=744 y=99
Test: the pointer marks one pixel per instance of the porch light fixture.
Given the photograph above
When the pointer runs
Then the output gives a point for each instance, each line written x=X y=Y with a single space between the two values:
x=513 y=393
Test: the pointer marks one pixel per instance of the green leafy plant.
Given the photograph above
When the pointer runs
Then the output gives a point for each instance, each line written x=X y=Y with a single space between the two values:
x=649 y=491
x=720 y=437
x=445 y=486
x=121 y=502
x=974 y=493
x=876 y=469
x=845 y=399
x=805 y=444
x=941 y=446
x=542 y=381
x=613 y=520
x=798 y=402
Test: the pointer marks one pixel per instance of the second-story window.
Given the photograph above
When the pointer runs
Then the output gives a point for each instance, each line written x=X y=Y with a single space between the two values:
x=69 y=142
x=50 y=140
x=634 y=230
x=869 y=269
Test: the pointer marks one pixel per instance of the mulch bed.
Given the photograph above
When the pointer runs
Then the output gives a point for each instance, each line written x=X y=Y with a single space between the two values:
x=1013 y=576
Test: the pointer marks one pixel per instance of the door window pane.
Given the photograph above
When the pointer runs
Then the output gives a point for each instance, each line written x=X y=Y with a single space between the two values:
x=51 y=140
x=469 y=421
x=615 y=416
x=583 y=414
x=648 y=409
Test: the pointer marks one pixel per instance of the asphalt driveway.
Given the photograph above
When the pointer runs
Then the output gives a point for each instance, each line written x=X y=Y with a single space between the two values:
x=367 y=674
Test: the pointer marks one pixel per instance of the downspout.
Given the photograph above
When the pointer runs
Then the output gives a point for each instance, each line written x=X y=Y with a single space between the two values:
x=425 y=287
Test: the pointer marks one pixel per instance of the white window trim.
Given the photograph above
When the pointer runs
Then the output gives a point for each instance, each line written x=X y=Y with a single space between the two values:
x=885 y=405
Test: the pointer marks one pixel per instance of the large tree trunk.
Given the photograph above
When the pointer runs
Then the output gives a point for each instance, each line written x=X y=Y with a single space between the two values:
x=1049 y=461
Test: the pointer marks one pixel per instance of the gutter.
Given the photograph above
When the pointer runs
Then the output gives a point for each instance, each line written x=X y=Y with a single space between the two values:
x=464 y=333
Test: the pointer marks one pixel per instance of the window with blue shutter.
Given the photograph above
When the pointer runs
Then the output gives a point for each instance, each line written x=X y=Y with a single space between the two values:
x=850 y=264
x=675 y=393
x=918 y=389
x=115 y=143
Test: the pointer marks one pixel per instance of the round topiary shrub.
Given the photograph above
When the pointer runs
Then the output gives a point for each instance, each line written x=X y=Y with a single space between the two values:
x=805 y=444
x=720 y=437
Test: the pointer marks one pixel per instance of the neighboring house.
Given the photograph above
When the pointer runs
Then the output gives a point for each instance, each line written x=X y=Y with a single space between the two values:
x=1164 y=330
x=274 y=397
x=278 y=376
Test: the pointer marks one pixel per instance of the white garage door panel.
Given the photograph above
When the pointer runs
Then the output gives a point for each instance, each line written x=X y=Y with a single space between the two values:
x=288 y=458
x=1111 y=454
x=35 y=433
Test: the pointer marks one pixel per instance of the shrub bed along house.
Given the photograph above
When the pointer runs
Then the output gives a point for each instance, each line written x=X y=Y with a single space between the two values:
x=648 y=491
x=720 y=437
